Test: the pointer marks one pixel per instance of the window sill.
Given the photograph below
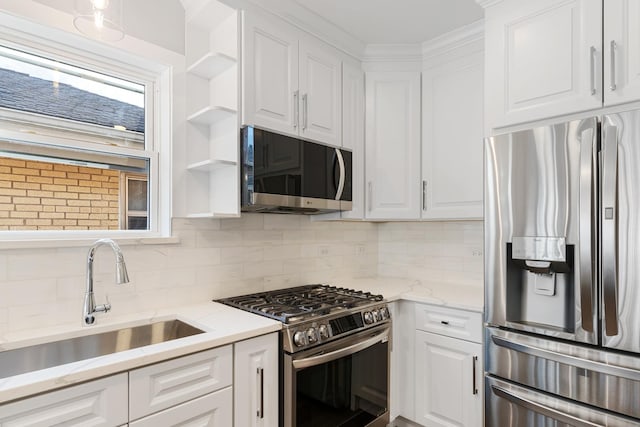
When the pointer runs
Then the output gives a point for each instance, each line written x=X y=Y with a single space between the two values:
x=84 y=241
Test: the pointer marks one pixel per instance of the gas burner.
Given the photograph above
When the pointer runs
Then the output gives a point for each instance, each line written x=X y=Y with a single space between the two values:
x=303 y=302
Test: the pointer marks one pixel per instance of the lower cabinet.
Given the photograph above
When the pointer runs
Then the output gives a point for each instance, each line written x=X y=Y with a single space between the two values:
x=99 y=403
x=448 y=381
x=255 y=382
x=225 y=386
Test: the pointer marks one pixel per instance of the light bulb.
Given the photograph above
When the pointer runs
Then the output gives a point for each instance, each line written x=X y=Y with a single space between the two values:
x=100 y=4
x=98 y=19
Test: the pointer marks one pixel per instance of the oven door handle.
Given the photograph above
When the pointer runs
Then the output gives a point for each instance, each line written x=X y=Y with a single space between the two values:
x=308 y=362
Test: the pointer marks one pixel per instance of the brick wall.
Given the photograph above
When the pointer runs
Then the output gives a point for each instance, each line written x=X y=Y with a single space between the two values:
x=49 y=196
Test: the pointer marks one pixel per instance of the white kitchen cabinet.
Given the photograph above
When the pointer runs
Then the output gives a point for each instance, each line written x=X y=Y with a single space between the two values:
x=353 y=134
x=543 y=58
x=291 y=82
x=452 y=132
x=256 y=382
x=448 y=381
x=101 y=402
x=211 y=155
x=621 y=59
x=448 y=366
x=392 y=145
x=213 y=409
x=162 y=385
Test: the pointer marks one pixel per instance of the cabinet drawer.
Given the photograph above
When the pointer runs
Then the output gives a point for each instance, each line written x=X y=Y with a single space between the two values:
x=99 y=403
x=160 y=386
x=214 y=409
x=466 y=325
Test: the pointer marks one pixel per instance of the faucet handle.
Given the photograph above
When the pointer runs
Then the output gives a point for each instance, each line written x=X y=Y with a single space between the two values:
x=103 y=308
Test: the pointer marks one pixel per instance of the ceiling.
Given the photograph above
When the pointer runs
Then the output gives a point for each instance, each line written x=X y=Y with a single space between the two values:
x=396 y=21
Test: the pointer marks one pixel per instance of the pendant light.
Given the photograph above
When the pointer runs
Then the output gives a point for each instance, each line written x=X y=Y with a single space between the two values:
x=99 y=19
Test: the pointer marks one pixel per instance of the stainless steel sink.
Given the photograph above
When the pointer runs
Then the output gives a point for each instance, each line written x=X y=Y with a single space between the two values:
x=55 y=353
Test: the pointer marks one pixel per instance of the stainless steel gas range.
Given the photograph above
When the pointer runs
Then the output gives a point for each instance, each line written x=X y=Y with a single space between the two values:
x=335 y=354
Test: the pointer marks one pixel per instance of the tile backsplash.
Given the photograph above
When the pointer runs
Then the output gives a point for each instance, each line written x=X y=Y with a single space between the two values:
x=219 y=258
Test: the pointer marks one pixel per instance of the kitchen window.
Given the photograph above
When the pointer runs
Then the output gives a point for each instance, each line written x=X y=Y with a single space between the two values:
x=77 y=153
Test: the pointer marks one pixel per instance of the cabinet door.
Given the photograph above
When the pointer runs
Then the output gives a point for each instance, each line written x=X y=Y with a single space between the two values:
x=448 y=381
x=212 y=410
x=392 y=145
x=162 y=385
x=97 y=403
x=621 y=62
x=353 y=133
x=452 y=139
x=320 y=90
x=269 y=74
x=255 y=384
x=543 y=59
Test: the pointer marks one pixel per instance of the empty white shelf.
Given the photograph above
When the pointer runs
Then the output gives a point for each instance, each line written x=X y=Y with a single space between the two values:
x=210 y=115
x=213 y=215
x=211 y=64
x=210 y=165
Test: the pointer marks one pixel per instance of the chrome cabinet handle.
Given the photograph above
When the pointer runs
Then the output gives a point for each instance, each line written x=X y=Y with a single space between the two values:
x=540 y=408
x=592 y=73
x=474 y=386
x=369 y=196
x=305 y=111
x=609 y=221
x=424 y=195
x=613 y=47
x=260 y=374
x=296 y=110
x=342 y=174
x=586 y=224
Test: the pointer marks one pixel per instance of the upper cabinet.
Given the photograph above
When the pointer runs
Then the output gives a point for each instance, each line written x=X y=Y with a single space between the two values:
x=621 y=51
x=392 y=145
x=452 y=131
x=291 y=82
x=542 y=59
x=554 y=57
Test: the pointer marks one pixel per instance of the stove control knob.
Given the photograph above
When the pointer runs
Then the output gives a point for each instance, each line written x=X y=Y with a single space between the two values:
x=368 y=317
x=384 y=312
x=376 y=315
x=312 y=335
x=298 y=339
x=323 y=331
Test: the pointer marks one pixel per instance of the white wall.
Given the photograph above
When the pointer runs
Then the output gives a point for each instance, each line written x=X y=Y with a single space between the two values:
x=41 y=288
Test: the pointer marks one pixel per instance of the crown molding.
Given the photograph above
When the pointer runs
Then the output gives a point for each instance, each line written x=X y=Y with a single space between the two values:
x=452 y=40
x=392 y=53
x=488 y=3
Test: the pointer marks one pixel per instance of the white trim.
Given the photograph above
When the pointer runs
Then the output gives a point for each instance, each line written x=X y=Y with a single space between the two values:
x=84 y=241
x=453 y=40
x=392 y=53
x=488 y=3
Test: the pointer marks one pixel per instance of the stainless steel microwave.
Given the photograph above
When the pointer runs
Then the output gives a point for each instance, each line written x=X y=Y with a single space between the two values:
x=283 y=174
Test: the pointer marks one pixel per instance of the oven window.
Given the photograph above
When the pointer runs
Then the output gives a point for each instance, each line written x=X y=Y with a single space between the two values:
x=348 y=392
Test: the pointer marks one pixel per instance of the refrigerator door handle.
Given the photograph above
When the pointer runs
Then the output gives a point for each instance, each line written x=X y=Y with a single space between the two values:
x=578 y=362
x=609 y=224
x=586 y=224
x=541 y=409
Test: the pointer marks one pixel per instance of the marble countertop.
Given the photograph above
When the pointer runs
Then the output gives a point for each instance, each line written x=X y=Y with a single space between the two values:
x=222 y=325
x=462 y=297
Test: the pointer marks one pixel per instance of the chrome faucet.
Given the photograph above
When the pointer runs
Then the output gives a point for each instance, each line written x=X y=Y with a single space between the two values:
x=90 y=308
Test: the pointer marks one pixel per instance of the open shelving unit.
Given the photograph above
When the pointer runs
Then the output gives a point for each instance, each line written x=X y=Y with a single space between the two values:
x=212 y=128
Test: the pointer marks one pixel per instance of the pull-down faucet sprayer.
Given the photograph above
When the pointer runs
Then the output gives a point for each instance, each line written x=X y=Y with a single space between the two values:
x=89 y=307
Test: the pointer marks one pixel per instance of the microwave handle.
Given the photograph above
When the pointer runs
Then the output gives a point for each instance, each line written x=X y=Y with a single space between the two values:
x=342 y=174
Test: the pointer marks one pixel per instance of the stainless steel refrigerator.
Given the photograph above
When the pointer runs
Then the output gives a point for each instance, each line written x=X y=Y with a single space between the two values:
x=562 y=274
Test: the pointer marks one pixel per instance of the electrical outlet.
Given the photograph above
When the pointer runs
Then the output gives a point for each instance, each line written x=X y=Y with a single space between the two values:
x=323 y=250
x=361 y=250
x=476 y=253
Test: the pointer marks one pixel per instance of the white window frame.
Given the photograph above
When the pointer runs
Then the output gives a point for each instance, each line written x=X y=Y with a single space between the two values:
x=156 y=75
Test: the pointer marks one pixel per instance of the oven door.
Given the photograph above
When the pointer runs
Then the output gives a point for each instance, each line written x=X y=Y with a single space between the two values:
x=340 y=384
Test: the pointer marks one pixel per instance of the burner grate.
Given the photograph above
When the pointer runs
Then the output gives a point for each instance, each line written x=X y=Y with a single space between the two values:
x=302 y=302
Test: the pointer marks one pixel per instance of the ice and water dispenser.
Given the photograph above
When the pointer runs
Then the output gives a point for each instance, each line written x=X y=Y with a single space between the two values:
x=540 y=282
